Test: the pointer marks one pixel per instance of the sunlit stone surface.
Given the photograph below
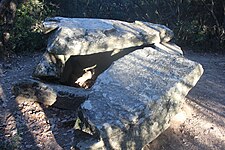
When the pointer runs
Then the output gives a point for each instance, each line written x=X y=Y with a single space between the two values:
x=133 y=101
x=81 y=36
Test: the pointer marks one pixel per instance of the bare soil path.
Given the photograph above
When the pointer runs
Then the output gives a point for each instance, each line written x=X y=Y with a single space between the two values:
x=28 y=125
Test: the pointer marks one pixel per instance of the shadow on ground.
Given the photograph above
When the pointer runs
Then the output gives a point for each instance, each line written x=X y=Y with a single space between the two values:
x=33 y=126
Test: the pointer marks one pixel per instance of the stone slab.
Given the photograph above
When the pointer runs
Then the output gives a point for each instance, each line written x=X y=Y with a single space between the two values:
x=50 y=94
x=81 y=36
x=133 y=101
x=168 y=48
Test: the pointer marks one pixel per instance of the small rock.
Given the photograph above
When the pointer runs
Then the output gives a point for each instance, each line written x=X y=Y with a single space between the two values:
x=14 y=132
x=7 y=66
x=29 y=146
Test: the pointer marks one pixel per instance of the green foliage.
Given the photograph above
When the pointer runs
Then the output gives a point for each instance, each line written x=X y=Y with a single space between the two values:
x=201 y=24
x=26 y=34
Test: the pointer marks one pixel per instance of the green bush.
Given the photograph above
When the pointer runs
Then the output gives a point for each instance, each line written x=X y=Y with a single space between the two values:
x=26 y=34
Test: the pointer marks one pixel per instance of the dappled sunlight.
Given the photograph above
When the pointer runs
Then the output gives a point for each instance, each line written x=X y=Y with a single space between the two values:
x=31 y=121
x=205 y=123
x=192 y=128
x=10 y=129
x=208 y=114
x=215 y=107
x=24 y=124
x=183 y=114
x=2 y=94
x=178 y=119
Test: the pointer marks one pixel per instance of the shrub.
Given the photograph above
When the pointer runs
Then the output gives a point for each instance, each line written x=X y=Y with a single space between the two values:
x=26 y=34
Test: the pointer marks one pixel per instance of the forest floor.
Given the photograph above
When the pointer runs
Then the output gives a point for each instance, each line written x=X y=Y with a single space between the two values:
x=200 y=125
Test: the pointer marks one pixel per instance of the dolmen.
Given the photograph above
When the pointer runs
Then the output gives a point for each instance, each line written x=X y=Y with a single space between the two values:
x=139 y=79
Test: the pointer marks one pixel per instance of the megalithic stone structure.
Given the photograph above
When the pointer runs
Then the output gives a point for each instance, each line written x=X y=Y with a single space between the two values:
x=134 y=99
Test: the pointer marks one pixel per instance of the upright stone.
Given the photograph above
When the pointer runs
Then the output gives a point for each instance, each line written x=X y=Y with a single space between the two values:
x=133 y=101
x=49 y=94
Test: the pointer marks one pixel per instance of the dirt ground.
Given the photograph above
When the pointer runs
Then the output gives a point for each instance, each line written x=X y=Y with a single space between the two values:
x=27 y=125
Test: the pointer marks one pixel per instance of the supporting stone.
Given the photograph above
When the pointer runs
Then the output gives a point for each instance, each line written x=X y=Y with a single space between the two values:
x=50 y=94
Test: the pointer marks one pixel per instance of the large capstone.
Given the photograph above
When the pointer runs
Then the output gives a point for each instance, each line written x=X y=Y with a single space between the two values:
x=133 y=101
x=82 y=36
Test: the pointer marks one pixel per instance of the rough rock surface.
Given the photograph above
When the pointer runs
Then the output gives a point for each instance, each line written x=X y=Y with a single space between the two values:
x=50 y=66
x=133 y=101
x=168 y=48
x=49 y=94
x=82 y=36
